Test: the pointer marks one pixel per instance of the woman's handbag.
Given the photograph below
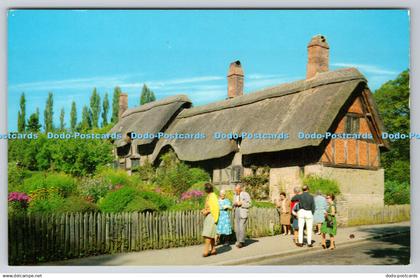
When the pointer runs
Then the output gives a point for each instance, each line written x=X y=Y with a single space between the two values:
x=330 y=221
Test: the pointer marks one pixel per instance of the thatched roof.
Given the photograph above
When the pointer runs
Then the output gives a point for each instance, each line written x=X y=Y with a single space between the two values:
x=307 y=105
x=148 y=118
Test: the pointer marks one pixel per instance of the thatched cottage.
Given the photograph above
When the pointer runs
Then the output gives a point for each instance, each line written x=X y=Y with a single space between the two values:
x=326 y=101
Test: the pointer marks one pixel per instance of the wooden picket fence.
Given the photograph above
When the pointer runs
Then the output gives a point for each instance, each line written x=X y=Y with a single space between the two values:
x=40 y=238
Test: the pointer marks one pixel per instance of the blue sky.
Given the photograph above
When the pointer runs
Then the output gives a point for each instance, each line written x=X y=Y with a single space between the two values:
x=69 y=52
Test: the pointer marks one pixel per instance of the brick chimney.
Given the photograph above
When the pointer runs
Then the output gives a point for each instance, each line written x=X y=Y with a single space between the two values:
x=318 y=56
x=235 y=80
x=123 y=104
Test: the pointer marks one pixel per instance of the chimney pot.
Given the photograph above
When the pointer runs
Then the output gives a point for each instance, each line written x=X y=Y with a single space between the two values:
x=123 y=104
x=235 y=80
x=318 y=56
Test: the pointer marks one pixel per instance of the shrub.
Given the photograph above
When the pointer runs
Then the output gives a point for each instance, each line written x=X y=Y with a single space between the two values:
x=257 y=183
x=117 y=201
x=161 y=202
x=323 y=185
x=32 y=183
x=77 y=157
x=146 y=172
x=93 y=189
x=16 y=175
x=140 y=204
x=18 y=203
x=50 y=203
x=115 y=177
x=177 y=177
x=198 y=175
x=76 y=204
x=188 y=205
x=65 y=184
x=396 y=193
x=192 y=194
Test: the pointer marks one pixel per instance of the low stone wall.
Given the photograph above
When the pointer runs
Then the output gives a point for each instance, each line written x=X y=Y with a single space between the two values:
x=359 y=187
x=377 y=215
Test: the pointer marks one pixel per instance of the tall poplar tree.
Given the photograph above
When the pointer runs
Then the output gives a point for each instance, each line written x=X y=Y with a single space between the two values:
x=95 y=107
x=49 y=113
x=22 y=114
x=147 y=95
x=86 y=119
x=105 y=110
x=115 y=104
x=73 y=116
x=62 y=124
x=33 y=122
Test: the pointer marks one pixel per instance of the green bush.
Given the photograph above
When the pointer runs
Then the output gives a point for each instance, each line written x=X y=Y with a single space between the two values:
x=398 y=170
x=76 y=157
x=64 y=183
x=396 y=193
x=139 y=204
x=323 y=185
x=257 y=184
x=161 y=202
x=176 y=177
x=16 y=175
x=117 y=201
x=200 y=186
x=198 y=175
x=94 y=189
x=188 y=205
x=45 y=201
x=76 y=204
x=32 y=183
x=115 y=177
x=146 y=172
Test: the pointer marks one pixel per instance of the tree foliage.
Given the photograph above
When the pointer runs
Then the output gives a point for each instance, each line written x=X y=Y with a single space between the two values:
x=22 y=114
x=392 y=99
x=49 y=113
x=86 y=119
x=147 y=95
x=115 y=105
x=95 y=107
x=62 y=124
x=77 y=157
x=105 y=110
x=33 y=122
x=73 y=116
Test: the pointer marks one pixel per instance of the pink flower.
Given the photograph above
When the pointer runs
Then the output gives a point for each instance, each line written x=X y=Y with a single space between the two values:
x=191 y=194
x=18 y=197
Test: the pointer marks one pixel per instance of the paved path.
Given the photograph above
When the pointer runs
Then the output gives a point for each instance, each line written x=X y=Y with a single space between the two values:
x=392 y=250
x=256 y=249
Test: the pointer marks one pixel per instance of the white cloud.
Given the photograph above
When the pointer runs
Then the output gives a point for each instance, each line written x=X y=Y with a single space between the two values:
x=169 y=82
x=372 y=69
x=74 y=83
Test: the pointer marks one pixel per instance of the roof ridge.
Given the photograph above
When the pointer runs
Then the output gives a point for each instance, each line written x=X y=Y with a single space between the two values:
x=157 y=103
x=341 y=75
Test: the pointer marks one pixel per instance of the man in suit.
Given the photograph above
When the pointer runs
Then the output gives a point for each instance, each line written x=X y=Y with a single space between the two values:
x=305 y=215
x=241 y=205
